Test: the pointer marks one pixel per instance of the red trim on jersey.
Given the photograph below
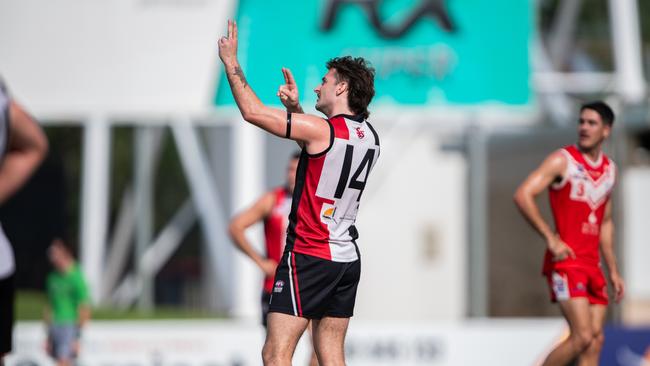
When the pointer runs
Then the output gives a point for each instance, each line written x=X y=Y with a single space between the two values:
x=312 y=235
x=341 y=130
x=275 y=225
x=295 y=282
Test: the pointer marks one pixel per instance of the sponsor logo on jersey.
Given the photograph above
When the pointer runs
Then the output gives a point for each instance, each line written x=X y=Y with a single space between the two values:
x=360 y=133
x=328 y=211
x=279 y=285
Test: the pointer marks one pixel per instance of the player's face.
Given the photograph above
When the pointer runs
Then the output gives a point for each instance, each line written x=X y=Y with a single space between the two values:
x=592 y=130
x=57 y=256
x=327 y=92
x=291 y=174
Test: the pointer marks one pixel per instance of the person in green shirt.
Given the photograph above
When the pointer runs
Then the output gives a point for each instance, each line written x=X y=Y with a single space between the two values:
x=68 y=304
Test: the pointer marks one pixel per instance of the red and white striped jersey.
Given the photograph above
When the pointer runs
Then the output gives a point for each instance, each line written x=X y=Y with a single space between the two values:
x=328 y=190
x=275 y=229
x=578 y=204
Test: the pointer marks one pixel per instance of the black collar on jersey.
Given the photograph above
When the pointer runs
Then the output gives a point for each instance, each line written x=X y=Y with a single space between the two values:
x=356 y=118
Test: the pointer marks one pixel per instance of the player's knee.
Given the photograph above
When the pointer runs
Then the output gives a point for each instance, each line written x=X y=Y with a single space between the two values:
x=598 y=340
x=271 y=356
x=583 y=339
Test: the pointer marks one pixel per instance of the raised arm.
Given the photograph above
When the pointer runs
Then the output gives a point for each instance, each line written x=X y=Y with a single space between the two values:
x=26 y=149
x=607 y=247
x=311 y=131
x=238 y=225
x=540 y=179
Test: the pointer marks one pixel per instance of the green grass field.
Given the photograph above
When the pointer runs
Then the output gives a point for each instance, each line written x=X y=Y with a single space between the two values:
x=30 y=305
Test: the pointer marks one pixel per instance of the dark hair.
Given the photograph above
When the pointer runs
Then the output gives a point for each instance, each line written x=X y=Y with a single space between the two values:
x=360 y=77
x=605 y=112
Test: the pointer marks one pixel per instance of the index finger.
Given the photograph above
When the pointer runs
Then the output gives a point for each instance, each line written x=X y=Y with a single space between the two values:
x=288 y=76
x=234 y=30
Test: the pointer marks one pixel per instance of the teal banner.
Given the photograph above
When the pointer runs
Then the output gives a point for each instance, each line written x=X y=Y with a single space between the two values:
x=425 y=52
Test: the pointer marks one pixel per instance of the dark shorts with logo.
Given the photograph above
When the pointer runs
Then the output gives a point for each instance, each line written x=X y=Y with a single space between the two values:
x=7 y=292
x=313 y=288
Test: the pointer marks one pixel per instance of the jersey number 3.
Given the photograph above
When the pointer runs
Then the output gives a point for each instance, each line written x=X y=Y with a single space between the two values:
x=355 y=183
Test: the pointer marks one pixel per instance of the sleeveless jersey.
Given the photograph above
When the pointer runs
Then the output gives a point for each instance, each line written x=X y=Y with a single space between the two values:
x=329 y=186
x=7 y=264
x=275 y=229
x=578 y=205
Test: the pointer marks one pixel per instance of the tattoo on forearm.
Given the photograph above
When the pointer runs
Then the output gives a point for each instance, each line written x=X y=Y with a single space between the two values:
x=240 y=74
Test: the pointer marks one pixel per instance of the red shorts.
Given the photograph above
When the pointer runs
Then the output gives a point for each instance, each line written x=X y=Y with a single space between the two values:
x=572 y=282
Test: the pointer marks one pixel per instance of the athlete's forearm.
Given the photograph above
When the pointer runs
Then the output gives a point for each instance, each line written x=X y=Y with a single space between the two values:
x=84 y=315
x=607 y=245
x=529 y=209
x=252 y=109
x=246 y=99
x=239 y=238
x=16 y=170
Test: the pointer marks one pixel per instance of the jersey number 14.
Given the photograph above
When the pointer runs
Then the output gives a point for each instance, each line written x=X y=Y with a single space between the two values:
x=355 y=183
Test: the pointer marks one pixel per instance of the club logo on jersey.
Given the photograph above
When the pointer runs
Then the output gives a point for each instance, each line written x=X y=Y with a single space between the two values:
x=279 y=285
x=360 y=133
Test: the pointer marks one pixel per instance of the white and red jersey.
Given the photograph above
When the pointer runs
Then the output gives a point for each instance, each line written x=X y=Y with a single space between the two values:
x=275 y=229
x=578 y=204
x=328 y=189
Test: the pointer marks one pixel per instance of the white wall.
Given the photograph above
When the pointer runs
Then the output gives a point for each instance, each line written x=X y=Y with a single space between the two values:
x=412 y=229
x=636 y=256
x=93 y=56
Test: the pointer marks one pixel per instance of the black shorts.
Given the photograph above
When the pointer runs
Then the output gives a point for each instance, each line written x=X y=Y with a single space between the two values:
x=266 y=298
x=6 y=313
x=313 y=288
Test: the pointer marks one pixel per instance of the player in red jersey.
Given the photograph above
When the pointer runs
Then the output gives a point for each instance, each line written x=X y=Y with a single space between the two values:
x=319 y=272
x=273 y=209
x=580 y=179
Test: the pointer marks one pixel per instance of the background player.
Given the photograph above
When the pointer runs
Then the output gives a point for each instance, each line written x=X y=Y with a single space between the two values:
x=23 y=146
x=273 y=209
x=68 y=308
x=319 y=272
x=580 y=179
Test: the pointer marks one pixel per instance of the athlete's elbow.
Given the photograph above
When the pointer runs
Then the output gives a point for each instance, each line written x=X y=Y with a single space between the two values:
x=518 y=197
x=234 y=229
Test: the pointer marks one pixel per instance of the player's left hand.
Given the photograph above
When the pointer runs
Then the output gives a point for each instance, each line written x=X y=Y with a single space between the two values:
x=288 y=92
x=228 y=44
x=619 y=286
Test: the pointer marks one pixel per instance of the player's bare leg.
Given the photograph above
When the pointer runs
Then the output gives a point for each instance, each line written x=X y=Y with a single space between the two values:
x=282 y=336
x=578 y=314
x=329 y=338
x=313 y=359
x=591 y=355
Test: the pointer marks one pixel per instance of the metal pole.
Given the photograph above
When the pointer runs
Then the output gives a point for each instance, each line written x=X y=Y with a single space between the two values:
x=94 y=202
x=147 y=142
x=248 y=175
x=478 y=244
x=626 y=40
x=208 y=205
